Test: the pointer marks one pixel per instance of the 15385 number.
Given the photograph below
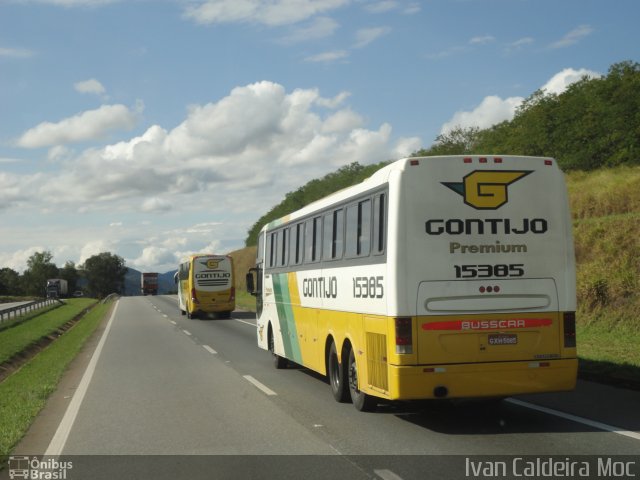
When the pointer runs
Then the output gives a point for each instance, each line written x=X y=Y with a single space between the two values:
x=490 y=271
x=368 y=287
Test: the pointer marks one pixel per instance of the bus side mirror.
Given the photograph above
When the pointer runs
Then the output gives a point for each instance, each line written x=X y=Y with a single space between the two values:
x=251 y=289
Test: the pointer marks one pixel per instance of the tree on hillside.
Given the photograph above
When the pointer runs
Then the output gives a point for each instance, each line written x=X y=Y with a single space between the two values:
x=594 y=123
x=70 y=274
x=10 y=282
x=105 y=273
x=456 y=142
x=39 y=268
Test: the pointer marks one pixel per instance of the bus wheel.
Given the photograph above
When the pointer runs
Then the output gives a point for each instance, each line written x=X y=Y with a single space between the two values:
x=278 y=361
x=362 y=401
x=337 y=376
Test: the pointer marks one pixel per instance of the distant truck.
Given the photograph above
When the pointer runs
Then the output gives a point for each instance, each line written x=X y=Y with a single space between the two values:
x=149 y=283
x=57 y=288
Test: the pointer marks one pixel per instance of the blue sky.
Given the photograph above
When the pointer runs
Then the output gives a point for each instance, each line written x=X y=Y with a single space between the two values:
x=156 y=129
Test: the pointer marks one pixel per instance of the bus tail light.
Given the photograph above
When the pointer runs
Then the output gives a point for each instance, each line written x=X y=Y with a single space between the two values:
x=404 y=335
x=232 y=297
x=194 y=297
x=569 y=329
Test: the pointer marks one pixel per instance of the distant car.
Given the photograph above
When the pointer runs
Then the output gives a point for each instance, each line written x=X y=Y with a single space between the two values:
x=78 y=293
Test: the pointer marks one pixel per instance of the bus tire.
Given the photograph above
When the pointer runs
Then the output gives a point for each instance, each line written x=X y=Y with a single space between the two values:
x=278 y=361
x=337 y=376
x=362 y=401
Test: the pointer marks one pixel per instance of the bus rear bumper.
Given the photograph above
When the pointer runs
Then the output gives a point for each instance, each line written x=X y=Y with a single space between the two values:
x=481 y=380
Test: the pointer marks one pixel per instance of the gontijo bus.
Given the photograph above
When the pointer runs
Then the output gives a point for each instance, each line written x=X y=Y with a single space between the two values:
x=206 y=285
x=437 y=277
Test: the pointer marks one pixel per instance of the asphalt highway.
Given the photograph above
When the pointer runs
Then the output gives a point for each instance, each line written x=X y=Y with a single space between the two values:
x=169 y=397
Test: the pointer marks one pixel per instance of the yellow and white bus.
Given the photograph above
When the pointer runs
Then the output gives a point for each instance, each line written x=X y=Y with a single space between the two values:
x=206 y=285
x=437 y=277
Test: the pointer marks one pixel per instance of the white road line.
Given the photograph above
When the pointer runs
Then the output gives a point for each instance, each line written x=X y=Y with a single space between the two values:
x=387 y=475
x=187 y=332
x=262 y=387
x=244 y=321
x=574 y=418
x=171 y=321
x=59 y=440
x=165 y=315
x=209 y=349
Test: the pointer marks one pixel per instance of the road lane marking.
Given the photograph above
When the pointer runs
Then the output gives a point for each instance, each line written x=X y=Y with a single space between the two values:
x=209 y=349
x=61 y=436
x=259 y=385
x=171 y=321
x=186 y=332
x=575 y=418
x=387 y=475
x=244 y=321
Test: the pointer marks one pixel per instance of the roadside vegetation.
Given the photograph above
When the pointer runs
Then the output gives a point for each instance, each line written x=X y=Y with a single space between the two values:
x=24 y=393
x=19 y=337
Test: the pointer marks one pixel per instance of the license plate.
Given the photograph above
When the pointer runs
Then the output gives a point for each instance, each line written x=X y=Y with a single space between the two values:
x=503 y=339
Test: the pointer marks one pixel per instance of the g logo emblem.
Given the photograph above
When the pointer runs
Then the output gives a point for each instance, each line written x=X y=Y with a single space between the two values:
x=486 y=189
x=212 y=264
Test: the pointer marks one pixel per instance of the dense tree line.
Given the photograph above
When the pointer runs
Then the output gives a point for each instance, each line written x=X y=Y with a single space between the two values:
x=594 y=123
x=99 y=276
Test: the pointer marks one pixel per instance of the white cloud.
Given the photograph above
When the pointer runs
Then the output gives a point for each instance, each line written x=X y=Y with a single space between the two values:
x=226 y=162
x=482 y=40
x=73 y=3
x=272 y=13
x=367 y=35
x=560 y=81
x=334 y=102
x=16 y=52
x=152 y=256
x=155 y=205
x=341 y=121
x=17 y=260
x=493 y=109
x=321 y=27
x=382 y=6
x=95 y=247
x=573 y=37
x=91 y=86
x=328 y=57
x=89 y=125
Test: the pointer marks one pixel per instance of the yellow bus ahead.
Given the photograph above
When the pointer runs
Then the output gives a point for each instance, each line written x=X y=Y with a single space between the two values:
x=206 y=285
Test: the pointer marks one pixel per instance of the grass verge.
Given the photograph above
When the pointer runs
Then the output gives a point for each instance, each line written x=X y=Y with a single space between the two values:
x=24 y=394
x=19 y=337
x=245 y=301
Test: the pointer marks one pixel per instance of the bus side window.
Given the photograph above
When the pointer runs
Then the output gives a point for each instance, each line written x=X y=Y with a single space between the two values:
x=259 y=259
x=284 y=234
x=379 y=223
x=317 y=238
x=295 y=244
x=328 y=236
x=364 y=228
x=337 y=240
x=273 y=249
x=351 y=246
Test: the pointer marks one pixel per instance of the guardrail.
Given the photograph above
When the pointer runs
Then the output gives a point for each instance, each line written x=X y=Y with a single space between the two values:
x=13 y=312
